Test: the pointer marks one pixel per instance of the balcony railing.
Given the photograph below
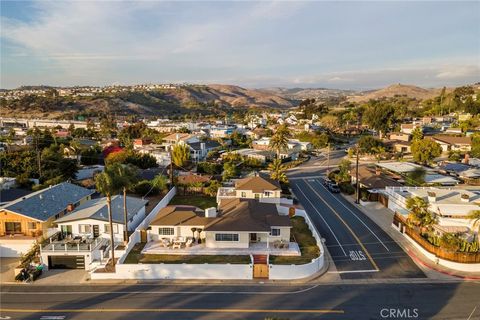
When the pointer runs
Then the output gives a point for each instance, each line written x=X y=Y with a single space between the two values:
x=54 y=244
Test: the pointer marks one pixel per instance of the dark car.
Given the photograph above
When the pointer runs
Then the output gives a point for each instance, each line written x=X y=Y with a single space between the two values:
x=333 y=187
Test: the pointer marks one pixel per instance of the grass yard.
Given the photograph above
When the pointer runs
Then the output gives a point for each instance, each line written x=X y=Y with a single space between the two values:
x=307 y=243
x=135 y=256
x=203 y=202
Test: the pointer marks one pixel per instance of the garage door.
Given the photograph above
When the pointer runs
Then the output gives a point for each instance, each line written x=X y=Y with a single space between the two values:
x=66 y=262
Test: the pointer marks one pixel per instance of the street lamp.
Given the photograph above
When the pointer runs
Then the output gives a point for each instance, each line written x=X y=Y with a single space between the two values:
x=357 y=200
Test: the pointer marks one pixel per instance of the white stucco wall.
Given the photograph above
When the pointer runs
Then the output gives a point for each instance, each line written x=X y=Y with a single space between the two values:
x=243 y=240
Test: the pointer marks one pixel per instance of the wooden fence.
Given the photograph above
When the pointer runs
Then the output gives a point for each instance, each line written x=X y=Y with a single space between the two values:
x=460 y=257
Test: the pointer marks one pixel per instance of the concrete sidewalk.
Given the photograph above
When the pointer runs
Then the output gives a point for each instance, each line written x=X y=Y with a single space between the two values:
x=383 y=217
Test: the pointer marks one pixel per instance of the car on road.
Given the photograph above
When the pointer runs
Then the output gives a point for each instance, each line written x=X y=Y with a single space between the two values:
x=333 y=187
x=327 y=182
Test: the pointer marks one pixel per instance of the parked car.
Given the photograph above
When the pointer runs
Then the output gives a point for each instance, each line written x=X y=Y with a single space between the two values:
x=333 y=187
x=326 y=182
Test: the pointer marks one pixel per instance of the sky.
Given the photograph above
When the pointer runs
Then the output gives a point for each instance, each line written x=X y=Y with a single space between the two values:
x=346 y=45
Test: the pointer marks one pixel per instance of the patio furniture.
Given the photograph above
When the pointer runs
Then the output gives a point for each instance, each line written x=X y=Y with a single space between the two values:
x=189 y=243
x=177 y=245
x=164 y=242
x=277 y=244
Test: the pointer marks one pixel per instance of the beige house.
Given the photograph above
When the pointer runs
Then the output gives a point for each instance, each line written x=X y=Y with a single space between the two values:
x=261 y=188
x=238 y=223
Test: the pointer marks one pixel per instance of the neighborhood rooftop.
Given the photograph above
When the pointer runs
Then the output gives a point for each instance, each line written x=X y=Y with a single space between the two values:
x=97 y=209
x=45 y=203
x=247 y=215
x=257 y=184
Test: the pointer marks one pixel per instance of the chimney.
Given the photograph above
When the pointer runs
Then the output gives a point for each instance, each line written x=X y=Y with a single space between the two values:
x=378 y=171
x=432 y=196
x=211 y=212
x=465 y=197
x=202 y=145
x=466 y=159
x=70 y=207
x=177 y=137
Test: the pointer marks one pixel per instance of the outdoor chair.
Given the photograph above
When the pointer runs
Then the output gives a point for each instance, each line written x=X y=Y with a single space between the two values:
x=177 y=245
x=189 y=243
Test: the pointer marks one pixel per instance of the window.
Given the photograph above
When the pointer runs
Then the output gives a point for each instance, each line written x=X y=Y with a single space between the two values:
x=84 y=228
x=166 y=231
x=244 y=194
x=226 y=237
x=32 y=225
x=267 y=194
x=275 y=232
x=107 y=228
x=257 y=195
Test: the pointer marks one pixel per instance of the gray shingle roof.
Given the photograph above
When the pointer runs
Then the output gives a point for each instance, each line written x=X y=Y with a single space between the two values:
x=97 y=209
x=45 y=203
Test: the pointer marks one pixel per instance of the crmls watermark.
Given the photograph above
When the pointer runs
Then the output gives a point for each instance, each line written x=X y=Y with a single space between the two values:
x=399 y=313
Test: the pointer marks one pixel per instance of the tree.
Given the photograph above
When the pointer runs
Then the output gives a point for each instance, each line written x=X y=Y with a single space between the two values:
x=180 y=154
x=160 y=182
x=369 y=144
x=417 y=134
x=279 y=140
x=475 y=145
x=344 y=174
x=475 y=216
x=416 y=177
x=109 y=184
x=419 y=214
x=380 y=116
x=212 y=189
x=126 y=175
x=378 y=151
x=424 y=151
x=229 y=171
x=330 y=122
x=450 y=242
x=277 y=171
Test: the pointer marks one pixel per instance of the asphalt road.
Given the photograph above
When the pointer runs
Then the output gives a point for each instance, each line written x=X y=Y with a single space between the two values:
x=355 y=301
x=359 y=248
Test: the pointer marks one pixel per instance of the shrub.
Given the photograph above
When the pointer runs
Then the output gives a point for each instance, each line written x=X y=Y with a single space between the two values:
x=346 y=188
x=143 y=187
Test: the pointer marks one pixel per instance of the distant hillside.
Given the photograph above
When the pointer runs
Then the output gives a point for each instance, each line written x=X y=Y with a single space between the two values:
x=207 y=99
x=396 y=90
x=299 y=94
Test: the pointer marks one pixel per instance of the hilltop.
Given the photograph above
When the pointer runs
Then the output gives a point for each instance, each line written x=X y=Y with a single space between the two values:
x=396 y=90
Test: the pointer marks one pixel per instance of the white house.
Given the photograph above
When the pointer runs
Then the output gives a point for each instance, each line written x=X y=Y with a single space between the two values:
x=83 y=237
x=260 y=188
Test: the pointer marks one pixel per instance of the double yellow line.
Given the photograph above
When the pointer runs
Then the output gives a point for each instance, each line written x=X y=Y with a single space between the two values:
x=347 y=226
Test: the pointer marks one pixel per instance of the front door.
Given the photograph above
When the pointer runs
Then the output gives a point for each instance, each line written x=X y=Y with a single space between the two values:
x=13 y=227
x=96 y=231
x=253 y=237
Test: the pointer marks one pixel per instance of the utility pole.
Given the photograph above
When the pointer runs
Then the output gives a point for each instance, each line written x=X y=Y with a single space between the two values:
x=171 y=169
x=328 y=159
x=357 y=200
x=39 y=161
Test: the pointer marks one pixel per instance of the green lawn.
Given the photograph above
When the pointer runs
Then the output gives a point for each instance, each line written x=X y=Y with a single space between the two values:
x=203 y=202
x=307 y=243
x=135 y=256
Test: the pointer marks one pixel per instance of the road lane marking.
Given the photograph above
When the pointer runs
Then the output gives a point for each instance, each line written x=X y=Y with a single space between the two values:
x=352 y=271
x=333 y=233
x=158 y=292
x=356 y=217
x=178 y=310
x=471 y=314
x=347 y=226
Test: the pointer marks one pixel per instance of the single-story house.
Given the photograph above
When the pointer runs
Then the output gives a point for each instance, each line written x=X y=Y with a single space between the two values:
x=257 y=187
x=453 y=143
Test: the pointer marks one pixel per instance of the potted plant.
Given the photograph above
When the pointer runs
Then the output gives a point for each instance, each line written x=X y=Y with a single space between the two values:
x=199 y=230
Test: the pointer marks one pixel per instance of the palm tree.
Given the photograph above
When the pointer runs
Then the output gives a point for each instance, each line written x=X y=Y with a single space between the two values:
x=279 y=140
x=277 y=171
x=419 y=214
x=160 y=182
x=109 y=184
x=180 y=154
x=475 y=216
x=127 y=175
x=378 y=151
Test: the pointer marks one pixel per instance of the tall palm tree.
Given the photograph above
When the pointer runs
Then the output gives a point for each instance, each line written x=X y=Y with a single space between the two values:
x=127 y=175
x=277 y=171
x=109 y=184
x=279 y=140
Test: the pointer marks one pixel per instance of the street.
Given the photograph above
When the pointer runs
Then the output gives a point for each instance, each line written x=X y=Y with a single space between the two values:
x=449 y=300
